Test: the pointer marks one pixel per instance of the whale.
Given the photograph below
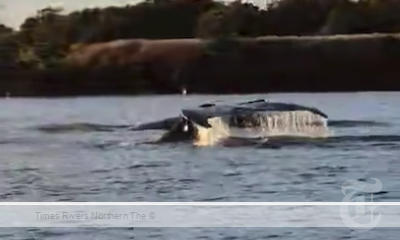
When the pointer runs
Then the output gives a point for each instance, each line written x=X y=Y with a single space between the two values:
x=252 y=121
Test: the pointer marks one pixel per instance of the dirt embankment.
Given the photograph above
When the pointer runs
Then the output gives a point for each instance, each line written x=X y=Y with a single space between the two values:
x=264 y=64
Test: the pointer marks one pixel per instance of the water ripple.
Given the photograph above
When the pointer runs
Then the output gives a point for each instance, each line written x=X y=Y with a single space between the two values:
x=84 y=151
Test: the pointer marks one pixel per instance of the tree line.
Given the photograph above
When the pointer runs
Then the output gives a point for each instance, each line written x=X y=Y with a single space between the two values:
x=46 y=37
x=44 y=40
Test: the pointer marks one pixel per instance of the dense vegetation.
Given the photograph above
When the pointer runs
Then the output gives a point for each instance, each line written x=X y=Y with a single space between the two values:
x=232 y=53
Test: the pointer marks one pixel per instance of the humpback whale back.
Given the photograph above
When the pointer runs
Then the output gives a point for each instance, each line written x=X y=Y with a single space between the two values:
x=257 y=119
x=213 y=123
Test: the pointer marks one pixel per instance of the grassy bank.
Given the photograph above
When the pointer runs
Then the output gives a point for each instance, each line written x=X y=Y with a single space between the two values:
x=321 y=63
x=247 y=65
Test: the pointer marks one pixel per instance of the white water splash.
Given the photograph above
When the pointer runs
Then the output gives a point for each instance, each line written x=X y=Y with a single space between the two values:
x=264 y=125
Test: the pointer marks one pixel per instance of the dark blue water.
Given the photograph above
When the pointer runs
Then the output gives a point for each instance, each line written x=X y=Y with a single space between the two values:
x=78 y=149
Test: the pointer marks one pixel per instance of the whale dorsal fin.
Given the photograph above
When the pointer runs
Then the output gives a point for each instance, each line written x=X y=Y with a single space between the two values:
x=254 y=101
x=206 y=105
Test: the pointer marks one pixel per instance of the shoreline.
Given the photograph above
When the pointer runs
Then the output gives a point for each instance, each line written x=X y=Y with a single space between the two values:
x=338 y=63
x=116 y=95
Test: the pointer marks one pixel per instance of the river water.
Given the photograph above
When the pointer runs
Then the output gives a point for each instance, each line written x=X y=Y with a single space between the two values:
x=79 y=149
